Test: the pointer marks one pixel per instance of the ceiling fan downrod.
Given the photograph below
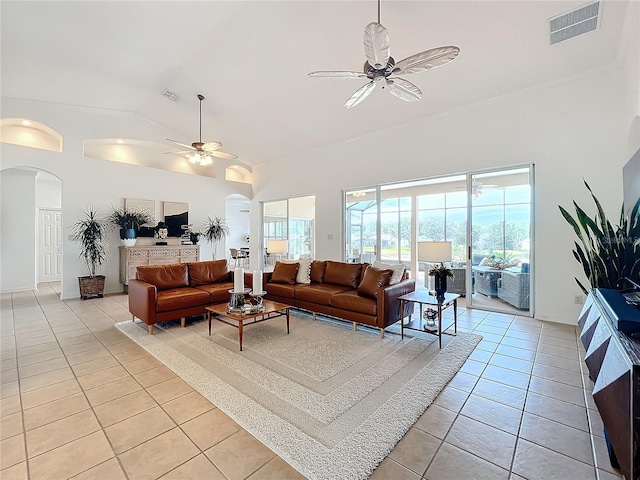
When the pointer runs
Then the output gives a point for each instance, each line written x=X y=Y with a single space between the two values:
x=201 y=98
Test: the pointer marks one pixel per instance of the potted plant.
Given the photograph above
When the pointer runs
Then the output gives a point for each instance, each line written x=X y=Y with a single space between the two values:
x=91 y=232
x=440 y=273
x=607 y=254
x=129 y=220
x=215 y=229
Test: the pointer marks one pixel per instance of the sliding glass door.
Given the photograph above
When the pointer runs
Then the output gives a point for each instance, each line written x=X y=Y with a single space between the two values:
x=487 y=217
x=361 y=225
x=500 y=229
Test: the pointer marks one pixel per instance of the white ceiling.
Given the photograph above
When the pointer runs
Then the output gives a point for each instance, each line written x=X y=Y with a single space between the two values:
x=251 y=59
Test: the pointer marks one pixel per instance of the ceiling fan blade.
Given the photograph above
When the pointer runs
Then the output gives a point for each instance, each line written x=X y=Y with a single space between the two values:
x=181 y=144
x=425 y=60
x=360 y=94
x=403 y=89
x=178 y=153
x=211 y=146
x=338 y=74
x=220 y=154
x=376 y=45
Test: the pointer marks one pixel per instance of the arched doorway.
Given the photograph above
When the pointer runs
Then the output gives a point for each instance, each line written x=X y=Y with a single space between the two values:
x=31 y=229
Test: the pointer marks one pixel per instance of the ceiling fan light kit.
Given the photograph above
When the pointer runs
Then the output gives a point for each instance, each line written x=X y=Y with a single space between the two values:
x=200 y=153
x=380 y=66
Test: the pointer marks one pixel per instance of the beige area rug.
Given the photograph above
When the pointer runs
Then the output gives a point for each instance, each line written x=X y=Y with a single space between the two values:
x=330 y=401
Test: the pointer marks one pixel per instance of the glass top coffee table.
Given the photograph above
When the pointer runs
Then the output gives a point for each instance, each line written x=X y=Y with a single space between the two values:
x=239 y=320
x=422 y=297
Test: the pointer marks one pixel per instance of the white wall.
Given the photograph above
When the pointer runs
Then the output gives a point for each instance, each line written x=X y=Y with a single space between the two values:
x=18 y=230
x=101 y=183
x=569 y=130
x=48 y=191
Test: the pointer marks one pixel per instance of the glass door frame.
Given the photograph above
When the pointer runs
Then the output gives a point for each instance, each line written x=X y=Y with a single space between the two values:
x=469 y=280
x=352 y=196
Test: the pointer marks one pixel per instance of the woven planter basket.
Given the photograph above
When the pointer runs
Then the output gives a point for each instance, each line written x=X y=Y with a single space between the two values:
x=91 y=286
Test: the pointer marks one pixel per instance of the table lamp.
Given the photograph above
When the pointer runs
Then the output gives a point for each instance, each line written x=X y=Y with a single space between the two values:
x=277 y=247
x=433 y=252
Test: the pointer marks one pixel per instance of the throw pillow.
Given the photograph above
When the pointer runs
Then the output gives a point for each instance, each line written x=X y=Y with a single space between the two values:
x=373 y=279
x=285 y=273
x=398 y=270
x=339 y=273
x=304 y=270
x=317 y=271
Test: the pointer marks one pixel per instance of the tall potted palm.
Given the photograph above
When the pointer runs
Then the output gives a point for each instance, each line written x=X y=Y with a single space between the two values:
x=215 y=229
x=91 y=232
x=129 y=220
x=608 y=253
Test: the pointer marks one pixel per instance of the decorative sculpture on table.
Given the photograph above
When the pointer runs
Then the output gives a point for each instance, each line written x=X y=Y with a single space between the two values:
x=162 y=232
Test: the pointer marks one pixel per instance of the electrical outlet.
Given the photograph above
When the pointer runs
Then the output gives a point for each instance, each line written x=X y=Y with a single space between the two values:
x=577 y=299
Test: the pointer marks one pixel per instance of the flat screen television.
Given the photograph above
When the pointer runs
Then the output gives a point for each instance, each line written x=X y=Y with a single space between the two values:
x=631 y=181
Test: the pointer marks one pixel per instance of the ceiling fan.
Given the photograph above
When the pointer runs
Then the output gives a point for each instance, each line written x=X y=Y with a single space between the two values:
x=201 y=153
x=380 y=66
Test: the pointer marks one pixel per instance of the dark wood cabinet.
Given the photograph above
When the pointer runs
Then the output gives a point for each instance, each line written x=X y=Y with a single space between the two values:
x=613 y=360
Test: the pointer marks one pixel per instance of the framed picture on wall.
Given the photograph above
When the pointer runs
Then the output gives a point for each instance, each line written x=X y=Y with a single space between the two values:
x=176 y=214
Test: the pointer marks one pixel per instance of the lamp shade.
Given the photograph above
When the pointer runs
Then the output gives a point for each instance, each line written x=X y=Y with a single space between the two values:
x=434 y=251
x=277 y=246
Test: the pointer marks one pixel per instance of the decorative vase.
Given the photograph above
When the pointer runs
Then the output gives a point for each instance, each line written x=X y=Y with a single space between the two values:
x=128 y=236
x=440 y=286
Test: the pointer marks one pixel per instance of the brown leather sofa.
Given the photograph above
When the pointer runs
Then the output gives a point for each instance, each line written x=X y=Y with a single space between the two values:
x=343 y=290
x=166 y=292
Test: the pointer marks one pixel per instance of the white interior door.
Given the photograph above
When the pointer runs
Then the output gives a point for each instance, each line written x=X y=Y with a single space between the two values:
x=50 y=246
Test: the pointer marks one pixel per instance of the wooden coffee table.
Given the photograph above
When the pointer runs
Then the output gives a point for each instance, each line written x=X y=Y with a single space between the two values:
x=239 y=320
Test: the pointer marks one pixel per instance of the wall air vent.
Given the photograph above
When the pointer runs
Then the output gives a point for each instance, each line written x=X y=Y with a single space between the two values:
x=173 y=96
x=577 y=22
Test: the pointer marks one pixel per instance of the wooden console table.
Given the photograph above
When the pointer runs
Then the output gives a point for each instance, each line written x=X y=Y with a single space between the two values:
x=133 y=257
x=613 y=359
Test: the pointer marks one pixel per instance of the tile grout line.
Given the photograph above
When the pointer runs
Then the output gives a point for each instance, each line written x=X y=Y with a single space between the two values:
x=157 y=404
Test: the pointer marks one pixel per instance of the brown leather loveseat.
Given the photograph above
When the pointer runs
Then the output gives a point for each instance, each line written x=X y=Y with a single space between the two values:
x=357 y=292
x=166 y=292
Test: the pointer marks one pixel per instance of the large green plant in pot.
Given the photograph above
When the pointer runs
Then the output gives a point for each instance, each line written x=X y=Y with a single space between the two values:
x=215 y=229
x=607 y=253
x=129 y=220
x=91 y=232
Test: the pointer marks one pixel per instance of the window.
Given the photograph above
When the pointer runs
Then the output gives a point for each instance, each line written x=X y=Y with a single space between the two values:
x=292 y=219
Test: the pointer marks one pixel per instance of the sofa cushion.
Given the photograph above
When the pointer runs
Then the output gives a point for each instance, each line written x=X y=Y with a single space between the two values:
x=353 y=302
x=285 y=273
x=304 y=269
x=164 y=277
x=218 y=292
x=283 y=289
x=340 y=273
x=398 y=270
x=319 y=293
x=179 y=298
x=317 y=271
x=204 y=273
x=373 y=279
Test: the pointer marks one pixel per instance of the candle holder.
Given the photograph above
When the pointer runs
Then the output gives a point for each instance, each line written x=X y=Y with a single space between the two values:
x=236 y=302
x=256 y=297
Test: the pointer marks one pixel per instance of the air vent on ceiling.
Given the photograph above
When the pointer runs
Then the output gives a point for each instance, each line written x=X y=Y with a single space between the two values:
x=173 y=96
x=572 y=24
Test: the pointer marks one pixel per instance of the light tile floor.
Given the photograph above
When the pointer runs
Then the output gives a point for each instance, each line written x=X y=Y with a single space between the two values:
x=81 y=400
